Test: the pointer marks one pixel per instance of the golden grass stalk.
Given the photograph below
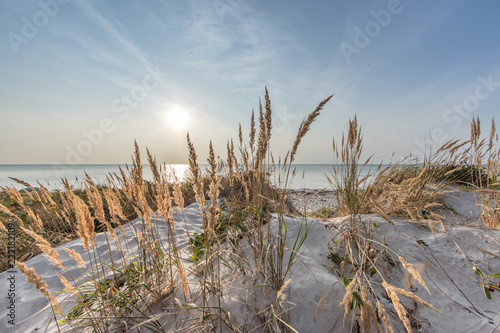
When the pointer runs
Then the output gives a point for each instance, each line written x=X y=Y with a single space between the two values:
x=2 y=227
x=252 y=132
x=67 y=286
x=109 y=197
x=141 y=205
x=76 y=257
x=137 y=166
x=184 y=278
x=368 y=314
x=262 y=142
x=414 y=272
x=415 y=298
x=154 y=168
x=246 y=191
x=164 y=203
x=384 y=318
x=492 y=134
x=40 y=284
x=117 y=207
x=5 y=210
x=280 y=296
x=196 y=174
x=475 y=131
x=22 y=182
x=37 y=221
x=126 y=185
x=46 y=195
x=213 y=191
x=95 y=199
x=46 y=248
x=67 y=205
x=353 y=137
x=14 y=194
x=230 y=164
x=348 y=297
x=305 y=126
x=366 y=310
x=240 y=135
x=268 y=116
x=26 y=192
x=178 y=197
x=85 y=227
x=96 y=203
x=391 y=292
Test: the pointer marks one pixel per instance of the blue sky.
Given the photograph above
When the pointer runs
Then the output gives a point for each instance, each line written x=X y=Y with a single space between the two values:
x=82 y=79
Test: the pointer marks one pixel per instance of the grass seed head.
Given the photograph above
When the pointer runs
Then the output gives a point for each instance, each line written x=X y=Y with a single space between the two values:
x=348 y=297
x=46 y=248
x=397 y=305
x=40 y=284
x=414 y=272
x=76 y=257
x=384 y=318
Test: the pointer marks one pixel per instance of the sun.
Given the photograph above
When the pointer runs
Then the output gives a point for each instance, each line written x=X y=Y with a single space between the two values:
x=177 y=119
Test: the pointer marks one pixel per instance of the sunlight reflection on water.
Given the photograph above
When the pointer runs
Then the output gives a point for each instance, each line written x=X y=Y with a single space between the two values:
x=175 y=173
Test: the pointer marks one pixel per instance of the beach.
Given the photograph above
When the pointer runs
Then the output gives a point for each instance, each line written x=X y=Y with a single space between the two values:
x=445 y=256
x=231 y=166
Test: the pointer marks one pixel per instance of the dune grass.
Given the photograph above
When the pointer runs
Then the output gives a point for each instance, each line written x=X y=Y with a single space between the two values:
x=122 y=292
x=237 y=202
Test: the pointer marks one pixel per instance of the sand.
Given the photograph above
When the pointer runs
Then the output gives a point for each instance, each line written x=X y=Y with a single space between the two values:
x=315 y=289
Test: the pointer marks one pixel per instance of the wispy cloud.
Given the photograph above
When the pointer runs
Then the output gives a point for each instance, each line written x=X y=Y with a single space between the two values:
x=238 y=46
x=113 y=28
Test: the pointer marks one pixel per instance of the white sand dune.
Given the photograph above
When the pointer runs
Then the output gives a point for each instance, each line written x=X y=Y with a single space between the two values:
x=32 y=310
x=447 y=256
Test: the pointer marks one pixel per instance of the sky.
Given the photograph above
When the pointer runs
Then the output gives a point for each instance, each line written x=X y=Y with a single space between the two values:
x=81 y=80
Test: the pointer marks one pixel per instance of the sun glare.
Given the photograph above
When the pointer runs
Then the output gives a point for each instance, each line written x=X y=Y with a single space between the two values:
x=177 y=119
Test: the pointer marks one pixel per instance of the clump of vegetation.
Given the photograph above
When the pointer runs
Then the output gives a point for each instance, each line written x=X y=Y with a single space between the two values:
x=350 y=186
x=42 y=211
x=481 y=158
x=407 y=191
x=325 y=213
x=487 y=283
x=358 y=255
x=398 y=190
x=461 y=174
x=363 y=262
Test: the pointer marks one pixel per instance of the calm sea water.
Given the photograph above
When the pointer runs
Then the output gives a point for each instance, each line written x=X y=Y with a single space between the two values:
x=308 y=176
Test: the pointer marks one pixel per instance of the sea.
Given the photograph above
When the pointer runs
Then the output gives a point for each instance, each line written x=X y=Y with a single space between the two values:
x=307 y=176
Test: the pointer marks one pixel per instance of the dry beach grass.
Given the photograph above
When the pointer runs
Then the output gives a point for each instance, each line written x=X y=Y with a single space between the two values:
x=221 y=252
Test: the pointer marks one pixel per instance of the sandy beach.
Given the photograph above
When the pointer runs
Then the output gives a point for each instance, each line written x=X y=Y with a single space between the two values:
x=312 y=296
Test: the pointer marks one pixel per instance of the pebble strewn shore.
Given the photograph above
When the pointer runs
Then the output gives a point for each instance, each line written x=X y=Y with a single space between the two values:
x=311 y=201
